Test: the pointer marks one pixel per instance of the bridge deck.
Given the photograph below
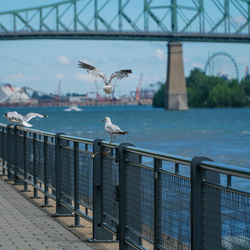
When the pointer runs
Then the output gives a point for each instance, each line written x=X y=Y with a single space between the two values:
x=25 y=226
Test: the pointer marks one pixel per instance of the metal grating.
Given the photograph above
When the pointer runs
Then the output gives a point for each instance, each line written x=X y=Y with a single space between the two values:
x=225 y=218
x=67 y=173
x=140 y=200
x=2 y=143
x=19 y=154
x=110 y=179
x=86 y=179
x=51 y=170
x=29 y=155
x=39 y=157
x=5 y=145
x=175 y=211
x=11 y=143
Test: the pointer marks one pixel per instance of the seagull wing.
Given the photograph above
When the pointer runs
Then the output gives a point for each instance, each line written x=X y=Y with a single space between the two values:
x=30 y=116
x=93 y=71
x=120 y=74
x=14 y=116
x=112 y=128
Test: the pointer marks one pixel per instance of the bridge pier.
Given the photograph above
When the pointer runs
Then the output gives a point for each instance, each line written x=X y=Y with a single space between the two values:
x=176 y=92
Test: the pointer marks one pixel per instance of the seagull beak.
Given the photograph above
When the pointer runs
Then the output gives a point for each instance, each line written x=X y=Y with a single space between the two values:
x=103 y=120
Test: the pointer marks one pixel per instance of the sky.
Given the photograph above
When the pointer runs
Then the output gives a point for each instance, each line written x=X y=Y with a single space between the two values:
x=41 y=64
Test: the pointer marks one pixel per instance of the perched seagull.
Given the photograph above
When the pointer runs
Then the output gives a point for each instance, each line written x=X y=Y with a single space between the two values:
x=108 y=88
x=112 y=129
x=22 y=120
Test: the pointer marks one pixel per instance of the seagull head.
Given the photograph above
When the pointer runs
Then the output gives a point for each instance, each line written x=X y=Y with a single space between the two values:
x=106 y=119
x=5 y=115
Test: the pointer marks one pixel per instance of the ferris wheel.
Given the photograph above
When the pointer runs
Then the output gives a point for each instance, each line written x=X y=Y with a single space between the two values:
x=223 y=65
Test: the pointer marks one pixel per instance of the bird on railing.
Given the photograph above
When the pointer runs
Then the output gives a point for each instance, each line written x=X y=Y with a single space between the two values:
x=20 y=119
x=108 y=88
x=112 y=129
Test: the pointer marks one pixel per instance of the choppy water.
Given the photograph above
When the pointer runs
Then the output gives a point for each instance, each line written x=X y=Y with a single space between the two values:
x=221 y=134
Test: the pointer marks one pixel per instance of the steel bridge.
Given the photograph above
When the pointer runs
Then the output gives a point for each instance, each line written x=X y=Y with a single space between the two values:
x=161 y=20
x=148 y=20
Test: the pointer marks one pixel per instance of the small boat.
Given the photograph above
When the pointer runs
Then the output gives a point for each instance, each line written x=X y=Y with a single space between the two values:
x=73 y=107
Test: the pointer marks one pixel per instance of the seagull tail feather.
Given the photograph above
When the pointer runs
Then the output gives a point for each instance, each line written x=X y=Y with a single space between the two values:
x=26 y=124
x=123 y=132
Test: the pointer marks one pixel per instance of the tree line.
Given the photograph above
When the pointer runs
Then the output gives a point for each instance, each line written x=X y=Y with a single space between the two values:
x=210 y=91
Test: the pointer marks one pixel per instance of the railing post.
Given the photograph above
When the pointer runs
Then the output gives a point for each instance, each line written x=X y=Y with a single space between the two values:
x=25 y=185
x=99 y=234
x=198 y=176
x=35 y=193
x=157 y=198
x=45 y=172
x=123 y=233
x=9 y=152
x=60 y=209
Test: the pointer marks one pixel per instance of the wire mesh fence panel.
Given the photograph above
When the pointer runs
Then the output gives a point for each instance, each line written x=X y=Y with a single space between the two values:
x=67 y=173
x=110 y=180
x=225 y=218
x=140 y=200
x=5 y=149
x=51 y=170
x=2 y=143
x=11 y=149
x=85 y=179
x=20 y=154
x=29 y=155
x=39 y=157
x=175 y=212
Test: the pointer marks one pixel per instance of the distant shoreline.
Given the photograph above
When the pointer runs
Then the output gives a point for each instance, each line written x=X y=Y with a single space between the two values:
x=67 y=104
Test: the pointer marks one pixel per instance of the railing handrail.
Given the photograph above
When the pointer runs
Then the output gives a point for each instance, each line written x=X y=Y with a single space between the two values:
x=226 y=169
x=30 y=130
x=208 y=165
x=76 y=139
x=160 y=155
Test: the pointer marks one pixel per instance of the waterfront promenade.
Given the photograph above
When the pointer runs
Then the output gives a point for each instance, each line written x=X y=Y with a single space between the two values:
x=24 y=226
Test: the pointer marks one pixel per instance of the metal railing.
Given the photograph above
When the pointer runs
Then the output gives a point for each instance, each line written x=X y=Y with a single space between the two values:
x=142 y=198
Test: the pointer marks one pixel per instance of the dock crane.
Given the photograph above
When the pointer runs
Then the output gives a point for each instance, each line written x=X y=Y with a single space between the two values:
x=137 y=93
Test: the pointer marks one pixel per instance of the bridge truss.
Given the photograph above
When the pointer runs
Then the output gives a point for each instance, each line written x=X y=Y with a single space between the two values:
x=162 y=20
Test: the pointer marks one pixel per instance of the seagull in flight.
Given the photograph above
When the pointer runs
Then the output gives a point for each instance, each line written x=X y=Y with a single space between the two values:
x=20 y=119
x=113 y=129
x=108 y=88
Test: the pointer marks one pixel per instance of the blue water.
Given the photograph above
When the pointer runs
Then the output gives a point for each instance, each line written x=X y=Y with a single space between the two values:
x=221 y=134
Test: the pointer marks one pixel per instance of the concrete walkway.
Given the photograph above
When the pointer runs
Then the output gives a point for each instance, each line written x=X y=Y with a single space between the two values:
x=24 y=226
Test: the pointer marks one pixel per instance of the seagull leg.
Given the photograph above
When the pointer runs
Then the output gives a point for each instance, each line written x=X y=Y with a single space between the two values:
x=111 y=138
x=114 y=137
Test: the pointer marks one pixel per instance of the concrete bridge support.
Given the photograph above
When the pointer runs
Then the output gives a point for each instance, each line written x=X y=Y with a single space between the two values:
x=176 y=92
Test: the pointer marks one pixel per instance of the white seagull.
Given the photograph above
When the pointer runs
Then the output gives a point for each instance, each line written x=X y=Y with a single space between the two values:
x=20 y=119
x=112 y=129
x=108 y=88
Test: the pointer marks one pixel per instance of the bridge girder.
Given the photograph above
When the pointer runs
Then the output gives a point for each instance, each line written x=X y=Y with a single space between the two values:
x=189 y=20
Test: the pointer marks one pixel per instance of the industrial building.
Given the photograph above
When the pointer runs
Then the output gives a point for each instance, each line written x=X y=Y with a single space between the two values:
x=13 y=94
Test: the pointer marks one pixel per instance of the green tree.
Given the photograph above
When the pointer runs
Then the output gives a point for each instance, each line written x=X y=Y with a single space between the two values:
x=159 y=97
x=210 y=91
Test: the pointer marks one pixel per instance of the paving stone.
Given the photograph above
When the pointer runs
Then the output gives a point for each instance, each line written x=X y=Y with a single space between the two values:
x=24 y=226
